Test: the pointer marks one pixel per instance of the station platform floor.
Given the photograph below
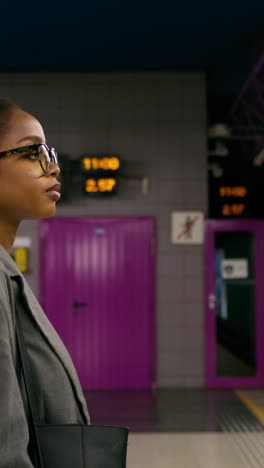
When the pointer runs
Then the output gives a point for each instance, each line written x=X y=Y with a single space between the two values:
x=192 y=428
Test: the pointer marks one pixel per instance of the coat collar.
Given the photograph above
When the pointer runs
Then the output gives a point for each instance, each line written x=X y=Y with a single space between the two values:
x=45 y=326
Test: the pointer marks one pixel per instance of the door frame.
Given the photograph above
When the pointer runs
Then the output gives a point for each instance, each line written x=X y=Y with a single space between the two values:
x=211 y=227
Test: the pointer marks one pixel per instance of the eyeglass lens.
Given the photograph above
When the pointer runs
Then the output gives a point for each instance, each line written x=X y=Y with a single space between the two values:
x=46 y=156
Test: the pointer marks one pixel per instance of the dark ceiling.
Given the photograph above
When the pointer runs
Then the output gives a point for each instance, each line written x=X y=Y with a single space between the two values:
x=224 y=39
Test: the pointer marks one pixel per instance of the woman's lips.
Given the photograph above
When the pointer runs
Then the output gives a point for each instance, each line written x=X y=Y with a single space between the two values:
x=54 y=192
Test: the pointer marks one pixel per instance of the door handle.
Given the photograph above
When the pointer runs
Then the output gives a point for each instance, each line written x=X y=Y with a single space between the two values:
x=212 y=301
x=76 y=305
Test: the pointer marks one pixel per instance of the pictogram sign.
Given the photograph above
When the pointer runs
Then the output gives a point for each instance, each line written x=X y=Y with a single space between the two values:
x=187 y=227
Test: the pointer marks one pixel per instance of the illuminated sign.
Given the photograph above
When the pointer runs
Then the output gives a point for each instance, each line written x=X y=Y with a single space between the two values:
x=100 y=185
x=233 y=191
x=238 y=193
x=228 y=192
x=233 y=209
x=100 y=174
x=97 y=164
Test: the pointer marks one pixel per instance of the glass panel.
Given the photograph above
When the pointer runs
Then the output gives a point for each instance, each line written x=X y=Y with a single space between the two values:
x=235 y=293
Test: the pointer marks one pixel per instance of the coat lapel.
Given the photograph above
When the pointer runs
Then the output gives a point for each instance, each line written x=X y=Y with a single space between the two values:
x=55 y=342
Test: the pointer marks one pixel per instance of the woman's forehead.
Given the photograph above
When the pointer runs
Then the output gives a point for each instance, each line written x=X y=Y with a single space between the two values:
x=23 y=127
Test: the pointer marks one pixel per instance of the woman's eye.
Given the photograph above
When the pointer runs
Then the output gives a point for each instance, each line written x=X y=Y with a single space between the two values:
x=32 y=156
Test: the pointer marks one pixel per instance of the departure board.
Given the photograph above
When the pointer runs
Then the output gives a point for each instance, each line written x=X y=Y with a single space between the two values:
x=100 y=174
x=237 y=193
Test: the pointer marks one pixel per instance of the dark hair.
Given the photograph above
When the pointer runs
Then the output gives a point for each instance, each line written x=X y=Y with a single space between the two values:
x=6 y=108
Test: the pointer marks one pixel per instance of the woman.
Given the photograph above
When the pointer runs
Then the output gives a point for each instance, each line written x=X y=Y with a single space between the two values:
x=28 y=190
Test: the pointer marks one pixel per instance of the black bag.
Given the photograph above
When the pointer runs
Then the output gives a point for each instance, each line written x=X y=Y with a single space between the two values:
x=68 y=445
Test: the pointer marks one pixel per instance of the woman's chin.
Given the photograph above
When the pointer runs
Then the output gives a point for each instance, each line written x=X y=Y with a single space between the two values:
x=44 y=213
x=49 y=212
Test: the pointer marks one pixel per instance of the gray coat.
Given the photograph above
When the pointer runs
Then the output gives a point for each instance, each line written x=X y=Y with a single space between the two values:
x=60 y=398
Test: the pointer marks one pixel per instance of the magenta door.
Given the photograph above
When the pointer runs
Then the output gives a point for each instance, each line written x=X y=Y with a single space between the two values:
x=234 y=273
x=97 y=288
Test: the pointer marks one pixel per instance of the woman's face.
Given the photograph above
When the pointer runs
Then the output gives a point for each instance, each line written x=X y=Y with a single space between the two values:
x=23 y=184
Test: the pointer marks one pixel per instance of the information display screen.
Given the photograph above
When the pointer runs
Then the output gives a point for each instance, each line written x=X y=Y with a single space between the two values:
x=100 y=174
x=238 y=193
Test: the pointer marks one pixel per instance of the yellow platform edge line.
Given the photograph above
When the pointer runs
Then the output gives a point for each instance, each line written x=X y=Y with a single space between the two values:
x=251 y=405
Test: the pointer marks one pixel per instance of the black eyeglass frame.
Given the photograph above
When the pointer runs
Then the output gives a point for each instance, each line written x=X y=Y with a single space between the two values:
x=50 y=154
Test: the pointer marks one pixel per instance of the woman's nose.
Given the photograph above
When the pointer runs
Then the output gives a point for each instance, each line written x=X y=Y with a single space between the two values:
x=54 y=169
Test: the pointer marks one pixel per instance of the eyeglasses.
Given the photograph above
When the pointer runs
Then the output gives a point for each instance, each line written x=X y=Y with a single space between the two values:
x=40 y=152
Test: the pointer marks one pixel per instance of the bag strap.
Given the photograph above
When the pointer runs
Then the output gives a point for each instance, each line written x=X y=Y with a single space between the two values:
x=29 y=385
